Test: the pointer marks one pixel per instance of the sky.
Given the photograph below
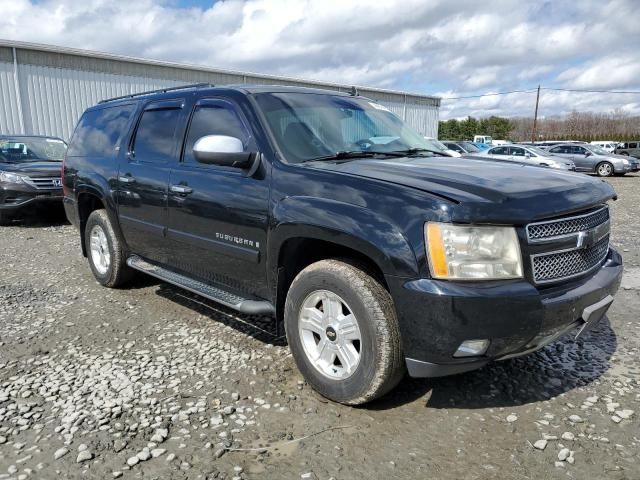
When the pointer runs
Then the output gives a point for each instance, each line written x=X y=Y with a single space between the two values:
x=448 y=48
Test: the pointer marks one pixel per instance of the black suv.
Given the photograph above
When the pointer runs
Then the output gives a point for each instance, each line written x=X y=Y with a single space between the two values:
x=326 y=211
x=29 y=174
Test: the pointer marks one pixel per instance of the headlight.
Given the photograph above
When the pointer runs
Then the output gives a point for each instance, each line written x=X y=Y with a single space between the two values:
x=10 y=177
x=625 y=162
x=459 y=252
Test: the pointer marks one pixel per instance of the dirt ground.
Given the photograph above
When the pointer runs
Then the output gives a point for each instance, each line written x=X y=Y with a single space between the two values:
x=153 y=382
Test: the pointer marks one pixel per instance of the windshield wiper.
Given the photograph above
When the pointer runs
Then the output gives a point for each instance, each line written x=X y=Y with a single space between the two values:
x=352 y=154
x=413 y=151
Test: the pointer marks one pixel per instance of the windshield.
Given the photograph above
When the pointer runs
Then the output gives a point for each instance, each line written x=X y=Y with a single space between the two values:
x=598 y=150
x=470 y=147
x=538 y=151
x=435 y=144
x=30 y=149
x=308 y=126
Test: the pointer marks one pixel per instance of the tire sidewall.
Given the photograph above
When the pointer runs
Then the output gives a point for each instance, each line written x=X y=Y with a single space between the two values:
x=601 y=164
x=106 y=278
x=359 y=382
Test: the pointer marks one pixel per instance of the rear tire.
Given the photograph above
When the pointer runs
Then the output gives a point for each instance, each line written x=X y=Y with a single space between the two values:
x=604 y=169
x=323 y=302
x=105 y=251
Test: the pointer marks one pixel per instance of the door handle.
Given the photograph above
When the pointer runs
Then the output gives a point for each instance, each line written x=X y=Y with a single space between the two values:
x=182 y=189
x=126 y=179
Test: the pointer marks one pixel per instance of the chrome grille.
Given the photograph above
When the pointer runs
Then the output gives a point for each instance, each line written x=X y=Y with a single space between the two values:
x=569 y=263
x=45 y=183
x=567 y=226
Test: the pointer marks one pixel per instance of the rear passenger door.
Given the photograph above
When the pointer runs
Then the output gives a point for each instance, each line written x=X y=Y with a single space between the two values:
x=218 y=215
x=143 y=178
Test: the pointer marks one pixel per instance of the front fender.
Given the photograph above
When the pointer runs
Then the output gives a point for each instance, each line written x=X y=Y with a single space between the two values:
x=344 y=224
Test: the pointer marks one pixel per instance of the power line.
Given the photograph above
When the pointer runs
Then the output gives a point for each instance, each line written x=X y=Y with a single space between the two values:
x=591 y=91
x=532 y=90
x=491 y=94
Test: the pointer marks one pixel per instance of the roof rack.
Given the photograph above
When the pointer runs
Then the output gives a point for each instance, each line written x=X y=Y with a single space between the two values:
x=161 y=90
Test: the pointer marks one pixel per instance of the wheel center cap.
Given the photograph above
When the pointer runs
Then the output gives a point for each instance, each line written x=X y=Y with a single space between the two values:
x=331 y=334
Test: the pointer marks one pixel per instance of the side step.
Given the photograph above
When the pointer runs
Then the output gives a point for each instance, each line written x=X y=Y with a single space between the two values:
x=231 y=300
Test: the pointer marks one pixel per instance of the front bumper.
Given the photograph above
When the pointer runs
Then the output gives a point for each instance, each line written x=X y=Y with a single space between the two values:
x=437 y=316
x=17 y=199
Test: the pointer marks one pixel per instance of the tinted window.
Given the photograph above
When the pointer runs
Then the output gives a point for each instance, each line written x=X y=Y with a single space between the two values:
x=99 y=132
x=561 y=149
x=633 y=145
x=499 y=151
x=155 y=137
x=214 y=120
x=518 y=152
x=578 y=150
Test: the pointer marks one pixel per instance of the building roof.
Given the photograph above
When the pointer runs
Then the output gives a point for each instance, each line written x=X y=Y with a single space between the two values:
x=199 y=68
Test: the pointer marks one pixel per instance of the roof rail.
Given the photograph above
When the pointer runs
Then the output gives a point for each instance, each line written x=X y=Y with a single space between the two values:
x=161 y=90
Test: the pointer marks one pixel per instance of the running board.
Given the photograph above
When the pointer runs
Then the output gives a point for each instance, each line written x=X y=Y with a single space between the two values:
x=231 y=300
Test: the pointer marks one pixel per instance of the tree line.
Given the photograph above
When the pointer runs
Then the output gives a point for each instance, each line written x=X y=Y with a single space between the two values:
x=586 y=126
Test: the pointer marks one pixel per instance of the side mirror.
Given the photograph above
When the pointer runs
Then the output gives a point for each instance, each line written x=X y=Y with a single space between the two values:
x=588 y=154
x=527 y=155
x=222 y=150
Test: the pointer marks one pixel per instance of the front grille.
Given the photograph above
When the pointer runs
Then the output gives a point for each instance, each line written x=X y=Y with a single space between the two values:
x=570 y=263
x=567 y=226
x=45 y=183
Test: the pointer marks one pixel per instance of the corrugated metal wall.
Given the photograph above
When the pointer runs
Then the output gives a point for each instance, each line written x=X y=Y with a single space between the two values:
x=56 y=87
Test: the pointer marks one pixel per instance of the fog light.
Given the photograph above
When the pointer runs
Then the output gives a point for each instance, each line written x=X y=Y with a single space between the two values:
x=472 y=348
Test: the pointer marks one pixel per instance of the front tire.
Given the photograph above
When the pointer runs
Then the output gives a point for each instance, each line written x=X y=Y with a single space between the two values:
x=105 y=251
x=343 y=332
x=604 y=169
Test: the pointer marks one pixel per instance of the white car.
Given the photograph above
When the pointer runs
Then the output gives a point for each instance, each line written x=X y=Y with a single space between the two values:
x=441 y=147
x=527 y=155
x=607 y=145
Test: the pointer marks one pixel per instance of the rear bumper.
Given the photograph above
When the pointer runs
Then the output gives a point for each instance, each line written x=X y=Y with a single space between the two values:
x=437 y=316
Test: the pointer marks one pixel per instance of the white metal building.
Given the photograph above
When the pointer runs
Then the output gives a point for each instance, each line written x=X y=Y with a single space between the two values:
x=44 y=89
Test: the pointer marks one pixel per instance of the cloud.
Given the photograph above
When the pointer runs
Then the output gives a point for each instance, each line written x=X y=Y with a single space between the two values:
x=453 y=46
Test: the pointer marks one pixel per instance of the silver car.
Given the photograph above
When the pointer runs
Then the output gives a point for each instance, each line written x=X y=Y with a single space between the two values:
x=528 y=155
x=593 y=159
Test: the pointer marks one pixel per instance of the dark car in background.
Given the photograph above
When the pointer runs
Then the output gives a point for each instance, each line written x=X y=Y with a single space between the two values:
x=30 y=169
x=462 y=147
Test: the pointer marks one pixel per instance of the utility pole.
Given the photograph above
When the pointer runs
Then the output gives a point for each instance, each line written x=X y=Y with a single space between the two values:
x=535 y=117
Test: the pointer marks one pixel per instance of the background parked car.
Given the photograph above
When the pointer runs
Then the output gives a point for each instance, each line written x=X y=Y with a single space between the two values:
x=606 y=145
x=482 y=146
x=439 y=146
x=527 y=155
x=29 y=174
x=592 y=159
x=631 y=149
x=462 y=147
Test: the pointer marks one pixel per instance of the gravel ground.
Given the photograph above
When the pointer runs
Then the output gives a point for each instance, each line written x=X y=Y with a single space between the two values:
x=153 y=382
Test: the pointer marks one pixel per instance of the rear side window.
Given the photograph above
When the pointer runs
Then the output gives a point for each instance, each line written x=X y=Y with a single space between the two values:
x=499 y=151
x=99 y=132
x=214 y=119
x=155 y=138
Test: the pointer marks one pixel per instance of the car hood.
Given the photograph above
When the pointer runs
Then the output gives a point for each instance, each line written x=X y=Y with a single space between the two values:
x=50 y=169
x=484 y=190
